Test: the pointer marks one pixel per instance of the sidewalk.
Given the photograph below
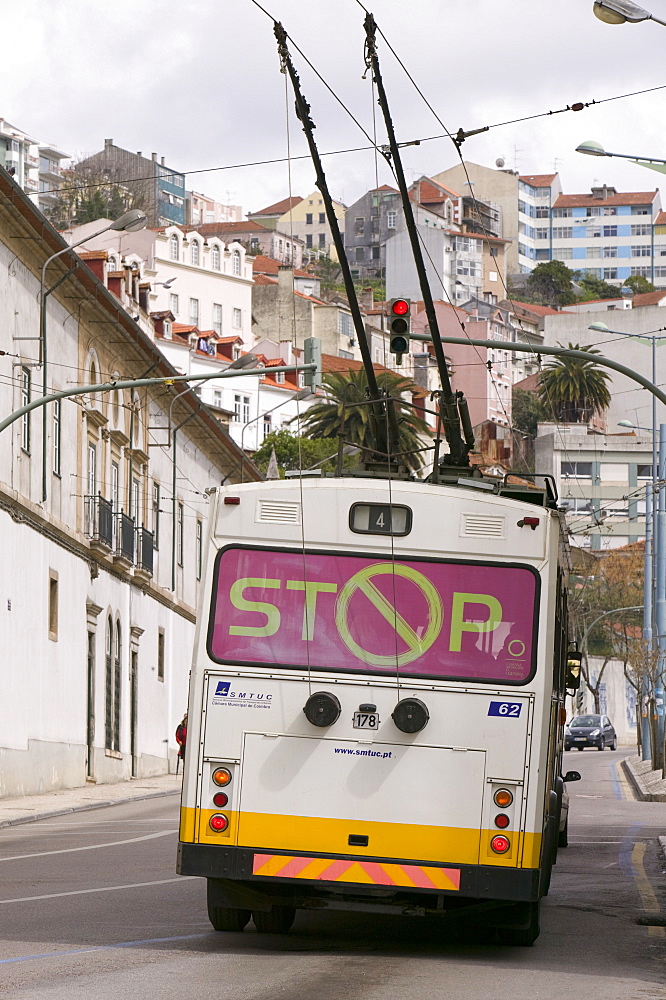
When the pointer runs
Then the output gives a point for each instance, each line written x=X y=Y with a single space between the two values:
x=28 y=808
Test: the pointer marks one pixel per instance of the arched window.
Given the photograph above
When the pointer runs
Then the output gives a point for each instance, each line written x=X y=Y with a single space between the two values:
x=117 y=680
x=215 y=257
x=108 y=694
x=194 y=252
x=236 y=262
x=173 y=247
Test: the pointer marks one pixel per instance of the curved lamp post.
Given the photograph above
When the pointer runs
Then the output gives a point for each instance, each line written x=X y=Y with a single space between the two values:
x=620 y=11
x=129 y=222
x=593 y=148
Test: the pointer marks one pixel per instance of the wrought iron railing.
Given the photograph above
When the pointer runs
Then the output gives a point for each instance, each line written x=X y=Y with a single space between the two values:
x=99 y=519
x=144 y=549
x=125 y=536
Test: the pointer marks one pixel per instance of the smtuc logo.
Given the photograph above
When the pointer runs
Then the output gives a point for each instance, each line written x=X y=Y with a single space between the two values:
x=242 y=698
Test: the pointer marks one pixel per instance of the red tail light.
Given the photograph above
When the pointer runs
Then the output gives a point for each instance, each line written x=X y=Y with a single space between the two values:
x=500 y=844
x=220 y=799
x=501 y=820
x=218 y=822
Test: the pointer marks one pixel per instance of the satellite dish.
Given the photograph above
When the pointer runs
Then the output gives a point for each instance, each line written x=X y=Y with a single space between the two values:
x=499 y=162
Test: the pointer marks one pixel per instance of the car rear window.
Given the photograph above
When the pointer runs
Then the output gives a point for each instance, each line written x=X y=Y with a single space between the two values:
x=586 y=720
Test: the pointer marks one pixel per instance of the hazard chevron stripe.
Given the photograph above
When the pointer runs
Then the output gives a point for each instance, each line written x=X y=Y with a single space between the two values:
x=365 y=872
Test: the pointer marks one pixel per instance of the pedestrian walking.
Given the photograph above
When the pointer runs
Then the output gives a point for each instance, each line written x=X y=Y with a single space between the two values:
x=181 y=740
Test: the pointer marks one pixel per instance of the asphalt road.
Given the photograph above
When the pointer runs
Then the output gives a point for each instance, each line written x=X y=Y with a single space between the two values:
x=90 y=907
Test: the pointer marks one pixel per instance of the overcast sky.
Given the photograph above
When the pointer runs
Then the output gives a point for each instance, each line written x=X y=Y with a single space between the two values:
x=199 y=83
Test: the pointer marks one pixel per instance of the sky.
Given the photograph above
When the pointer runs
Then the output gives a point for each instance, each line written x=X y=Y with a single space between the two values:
x=200 y=84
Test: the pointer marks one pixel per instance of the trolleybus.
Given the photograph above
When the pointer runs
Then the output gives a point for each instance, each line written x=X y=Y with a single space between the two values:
x=375 y=708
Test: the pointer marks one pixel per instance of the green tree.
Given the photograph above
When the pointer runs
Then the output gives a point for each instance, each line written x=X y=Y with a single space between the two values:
x=294 y=452
x=596 y=288
x=573 y=389
x=549 y=284
x=639 y=284
x=527 y=410
x=324 y=419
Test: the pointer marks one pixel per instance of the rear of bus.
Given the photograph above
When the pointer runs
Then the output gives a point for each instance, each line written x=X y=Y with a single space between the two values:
x=372 y=718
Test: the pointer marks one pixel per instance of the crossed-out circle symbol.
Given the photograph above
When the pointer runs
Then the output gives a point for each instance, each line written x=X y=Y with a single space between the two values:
x=416 y=646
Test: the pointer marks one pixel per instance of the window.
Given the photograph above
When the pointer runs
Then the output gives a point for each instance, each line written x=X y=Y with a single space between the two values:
x=308 y=218
x=345 y=325
x=194 y=252
x=308 y=240
x=236 y=321
x=360 y=253
x=173 y=303
x=609 y=230
x=113 y=683
x=562 y=253
x=199 y=549
x=543 y=212
x=25 y=400
x=391 y=218
x=236 y=263
x=57 y=412
x=563 y=232
x=577 y=505
x=217 y=318
x=540 y=255
x=609 y=251
x=643 y=250
x=593 y=251
x=279 y=378
x=359 y=226
x=610 y=273
x=156 y=515
x=576 y=470
x=194 y=312
x=92 y=485
x=267 y=424
x=53 y=605
x=217 y=398
x=603 y=210
x=322 y=239
x=642 y=229
x=375 y=253
x=522 y=207
x=173 y=247
x=643 y=272
x=560 y=213
x=134 y=504
x=642 y=211
x=215 y=257
x=643 y=472
x=160 y=654
x=542 y=234
x=180 y=524
x=241 y=409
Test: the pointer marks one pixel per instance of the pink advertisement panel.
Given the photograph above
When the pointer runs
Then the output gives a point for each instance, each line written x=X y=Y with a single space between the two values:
x=354 y=613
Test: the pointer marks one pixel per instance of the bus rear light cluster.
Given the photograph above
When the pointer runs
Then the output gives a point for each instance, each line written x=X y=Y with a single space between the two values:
x=503 y=798
x=220 y=799
x=222 y=776
x=218 y=822
x=501 y=820
x=500 y=844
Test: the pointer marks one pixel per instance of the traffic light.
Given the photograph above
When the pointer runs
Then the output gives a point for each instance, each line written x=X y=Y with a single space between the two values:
x=399 y=321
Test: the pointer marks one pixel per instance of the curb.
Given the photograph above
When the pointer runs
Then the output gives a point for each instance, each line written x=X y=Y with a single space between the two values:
x=662 y=844
x=20 y=820
x=637 y=785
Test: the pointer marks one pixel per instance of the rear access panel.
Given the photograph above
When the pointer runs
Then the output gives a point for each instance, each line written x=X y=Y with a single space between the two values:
x=345 y=797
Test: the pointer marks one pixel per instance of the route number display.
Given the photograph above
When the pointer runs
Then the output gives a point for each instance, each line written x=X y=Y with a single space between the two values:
x=366 y=720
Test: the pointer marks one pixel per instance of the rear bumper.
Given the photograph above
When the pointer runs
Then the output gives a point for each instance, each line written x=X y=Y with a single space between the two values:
x=235 y=865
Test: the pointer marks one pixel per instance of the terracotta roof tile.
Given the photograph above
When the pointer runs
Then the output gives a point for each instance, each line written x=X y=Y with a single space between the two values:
x=93 y=254
x=268 y=265
x=538 y=310
x=280 y=207
x=649 y=298
x=589 y=201
x=264 y=279
x=538 y=180
x=223 y=228
x=661 y=219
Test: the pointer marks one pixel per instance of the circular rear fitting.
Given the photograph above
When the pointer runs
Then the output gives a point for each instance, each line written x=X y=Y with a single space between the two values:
x=322 y=709
x=410 y=715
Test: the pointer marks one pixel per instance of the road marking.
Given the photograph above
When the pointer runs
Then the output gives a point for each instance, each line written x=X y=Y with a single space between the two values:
x=647 y=893
x=621 y=786
x=103 y=947
x=85 y=892
x=92 y=847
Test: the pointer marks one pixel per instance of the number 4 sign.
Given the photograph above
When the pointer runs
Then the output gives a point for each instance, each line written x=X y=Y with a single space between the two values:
x=507 y=709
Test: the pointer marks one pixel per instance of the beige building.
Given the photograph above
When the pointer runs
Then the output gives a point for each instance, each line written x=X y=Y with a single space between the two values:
x=307 y=220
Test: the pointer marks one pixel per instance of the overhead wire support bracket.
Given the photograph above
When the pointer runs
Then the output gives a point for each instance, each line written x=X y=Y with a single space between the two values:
x=380 y=408
x=452 y=404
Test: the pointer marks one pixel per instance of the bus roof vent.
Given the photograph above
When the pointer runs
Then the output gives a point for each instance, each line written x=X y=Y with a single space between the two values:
x=483 y=525
x=278 y=511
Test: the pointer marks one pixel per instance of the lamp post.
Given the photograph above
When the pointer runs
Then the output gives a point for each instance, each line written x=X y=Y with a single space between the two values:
x=654 y=584
x=129 y=222
x=620 y=11
x=593 y=148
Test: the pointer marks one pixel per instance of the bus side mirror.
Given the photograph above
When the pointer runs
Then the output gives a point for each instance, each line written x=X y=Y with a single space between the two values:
x=572 y=680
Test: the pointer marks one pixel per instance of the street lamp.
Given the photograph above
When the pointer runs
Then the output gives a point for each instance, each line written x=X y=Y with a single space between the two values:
x=593 y=148
x=619 y=11
x=654 y=584
x=129 y=222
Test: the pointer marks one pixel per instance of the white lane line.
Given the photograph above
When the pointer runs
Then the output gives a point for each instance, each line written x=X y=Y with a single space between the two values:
x=92 y=847
x=84 y=892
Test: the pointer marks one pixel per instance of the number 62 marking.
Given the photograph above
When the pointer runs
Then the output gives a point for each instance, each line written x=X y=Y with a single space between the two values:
x=506 y=709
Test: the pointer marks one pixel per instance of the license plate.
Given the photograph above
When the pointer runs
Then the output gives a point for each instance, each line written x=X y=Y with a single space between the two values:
x=580 y=739
x=366 y=720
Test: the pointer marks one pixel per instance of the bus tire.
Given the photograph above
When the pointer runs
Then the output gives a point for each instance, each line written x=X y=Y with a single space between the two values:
x=277 y=920
x=226 y=918
x=526 y=932
x=563 y=835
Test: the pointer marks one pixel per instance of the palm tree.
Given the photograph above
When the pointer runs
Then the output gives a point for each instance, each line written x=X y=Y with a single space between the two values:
x=324 y=419
x=573 y=389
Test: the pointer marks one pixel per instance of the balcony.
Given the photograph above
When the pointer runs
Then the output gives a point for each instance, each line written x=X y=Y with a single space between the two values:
x=124 y=554
x=143 y=569
x=99 y=523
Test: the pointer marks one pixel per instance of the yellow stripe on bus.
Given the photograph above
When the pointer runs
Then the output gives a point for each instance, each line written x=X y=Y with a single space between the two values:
x=317 y=835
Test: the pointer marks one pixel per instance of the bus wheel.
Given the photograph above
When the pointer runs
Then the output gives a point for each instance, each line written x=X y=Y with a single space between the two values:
x=526 y=916
x=225 y=918
x=563 y=835
x=277 y=920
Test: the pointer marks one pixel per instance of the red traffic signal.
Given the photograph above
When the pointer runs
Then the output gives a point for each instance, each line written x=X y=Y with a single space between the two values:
x=399 y=307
